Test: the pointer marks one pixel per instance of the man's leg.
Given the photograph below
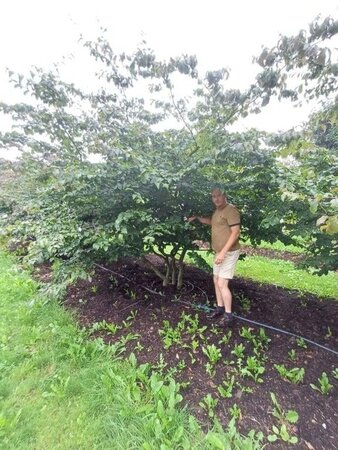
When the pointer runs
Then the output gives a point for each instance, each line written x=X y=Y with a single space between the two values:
x=224 y=293
x=220 y=310
x=218 y=292
x=226 y=296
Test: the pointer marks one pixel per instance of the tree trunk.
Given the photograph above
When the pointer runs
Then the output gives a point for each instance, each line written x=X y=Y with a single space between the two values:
x=173 y=271
x=181 y=269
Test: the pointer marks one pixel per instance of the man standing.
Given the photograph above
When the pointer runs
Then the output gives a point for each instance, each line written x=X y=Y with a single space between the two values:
x=225 y=231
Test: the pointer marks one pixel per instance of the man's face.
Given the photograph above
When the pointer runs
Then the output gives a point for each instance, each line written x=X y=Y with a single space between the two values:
x=218 y=199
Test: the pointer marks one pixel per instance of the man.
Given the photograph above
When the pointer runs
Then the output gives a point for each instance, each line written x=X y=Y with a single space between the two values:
x=225 y=231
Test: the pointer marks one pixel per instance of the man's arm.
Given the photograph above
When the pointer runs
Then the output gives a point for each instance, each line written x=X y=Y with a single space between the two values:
x=235 y=232
x=204 y=220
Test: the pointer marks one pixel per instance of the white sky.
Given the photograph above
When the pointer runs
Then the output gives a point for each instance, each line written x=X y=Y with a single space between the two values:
x=220 y=33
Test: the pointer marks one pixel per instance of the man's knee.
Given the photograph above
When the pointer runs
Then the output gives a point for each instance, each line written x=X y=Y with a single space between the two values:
x=221 y=282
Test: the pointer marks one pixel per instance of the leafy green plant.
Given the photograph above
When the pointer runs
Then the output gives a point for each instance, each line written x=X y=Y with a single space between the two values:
x=160 y=366
x=194 y=345
x=292 y=354
x=209 y=404
x=225 y=338
x=246 y=333
x=335 y=373
x=170 y=335
x=324 y=386
x=235 y=412
x=301 y=343
x=245 y=302
x=94 y=289
x=103 y=325
x=232 y=439
x=238 y=351
x=259 y=340
x=227 y=386
x=294 y=375
x=253 y=369
x=285 y=418
x=213 y=353
x=283 y=434
x=210 y=369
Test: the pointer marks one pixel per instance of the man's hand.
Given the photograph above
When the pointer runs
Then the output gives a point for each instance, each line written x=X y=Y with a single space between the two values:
x=219 y=258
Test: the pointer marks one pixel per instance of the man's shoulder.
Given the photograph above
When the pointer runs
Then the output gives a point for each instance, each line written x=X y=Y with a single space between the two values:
x=230 y=207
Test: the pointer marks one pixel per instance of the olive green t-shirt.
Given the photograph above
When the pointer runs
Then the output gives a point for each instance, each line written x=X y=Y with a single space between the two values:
x=221 y=222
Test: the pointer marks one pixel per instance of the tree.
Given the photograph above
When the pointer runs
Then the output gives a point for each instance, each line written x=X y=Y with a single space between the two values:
x=151 y=176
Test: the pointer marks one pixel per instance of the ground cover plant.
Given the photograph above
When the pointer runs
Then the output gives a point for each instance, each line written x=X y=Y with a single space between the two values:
x=281 y=385
x=61 y=388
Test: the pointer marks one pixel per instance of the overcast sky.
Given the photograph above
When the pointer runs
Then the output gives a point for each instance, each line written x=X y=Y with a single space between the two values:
x=220 y=33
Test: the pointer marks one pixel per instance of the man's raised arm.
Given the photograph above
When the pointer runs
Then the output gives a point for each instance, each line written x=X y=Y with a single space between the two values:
x=204 y=220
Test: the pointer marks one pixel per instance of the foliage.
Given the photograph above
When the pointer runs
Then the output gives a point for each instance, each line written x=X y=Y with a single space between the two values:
x=324 y=385
x=309 y=192
x=53 y=377
x=152 y=176
x=300 y=66
x=285 y=418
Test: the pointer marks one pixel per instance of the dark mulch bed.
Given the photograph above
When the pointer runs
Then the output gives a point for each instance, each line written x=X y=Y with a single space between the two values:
x=114 y=299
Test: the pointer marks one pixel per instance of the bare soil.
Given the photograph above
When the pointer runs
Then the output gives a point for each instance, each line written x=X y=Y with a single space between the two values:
x=122 y=296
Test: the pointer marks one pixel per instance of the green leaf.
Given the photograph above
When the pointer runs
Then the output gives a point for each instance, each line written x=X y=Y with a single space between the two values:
x=215 y=440
x=292 y=416
x=272 y=438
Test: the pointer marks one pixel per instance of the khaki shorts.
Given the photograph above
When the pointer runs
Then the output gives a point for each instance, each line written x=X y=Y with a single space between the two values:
x=227 y=268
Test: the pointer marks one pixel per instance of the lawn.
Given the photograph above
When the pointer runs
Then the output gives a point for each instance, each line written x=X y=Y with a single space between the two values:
x=62 y=389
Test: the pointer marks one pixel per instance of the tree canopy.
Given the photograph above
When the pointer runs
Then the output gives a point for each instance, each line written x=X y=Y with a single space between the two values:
x=151 y=176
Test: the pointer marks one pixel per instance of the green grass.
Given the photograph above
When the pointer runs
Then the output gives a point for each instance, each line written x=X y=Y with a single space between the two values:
x=284 y=274
x=60 y=390
x=279 y=246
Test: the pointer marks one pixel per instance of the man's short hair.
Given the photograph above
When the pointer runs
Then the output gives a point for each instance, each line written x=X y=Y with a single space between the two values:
x=218 y=188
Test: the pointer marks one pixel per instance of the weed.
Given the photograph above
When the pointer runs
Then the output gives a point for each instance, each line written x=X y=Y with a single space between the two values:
x=335 y=373
x=131 y=294
x=245 y=389
x=210 y=369
x=303 y=303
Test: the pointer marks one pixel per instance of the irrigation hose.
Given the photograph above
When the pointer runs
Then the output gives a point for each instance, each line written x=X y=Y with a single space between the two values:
x=208 y=309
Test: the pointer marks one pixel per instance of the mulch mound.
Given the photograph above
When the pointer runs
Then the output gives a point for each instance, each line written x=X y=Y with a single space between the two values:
x=130 y=296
